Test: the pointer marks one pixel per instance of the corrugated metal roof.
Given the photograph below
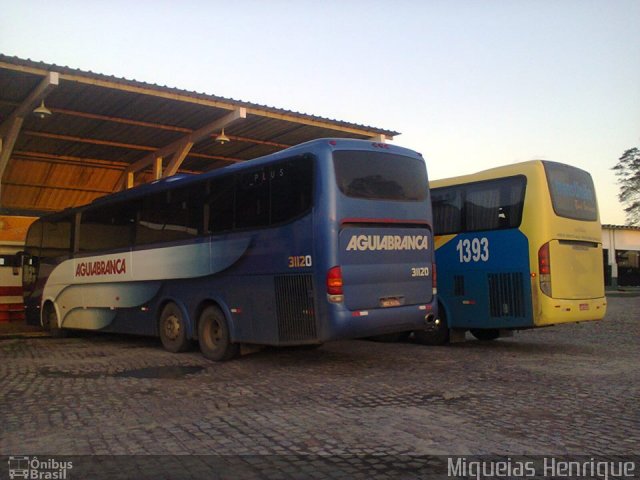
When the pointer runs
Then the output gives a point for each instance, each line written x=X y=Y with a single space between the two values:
x=621 y=227
x=101 y=125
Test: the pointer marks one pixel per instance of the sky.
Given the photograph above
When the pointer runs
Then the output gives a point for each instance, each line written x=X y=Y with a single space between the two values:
x=470 y=84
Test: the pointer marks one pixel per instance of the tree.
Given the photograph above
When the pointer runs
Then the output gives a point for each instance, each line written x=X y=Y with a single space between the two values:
x=628 y=172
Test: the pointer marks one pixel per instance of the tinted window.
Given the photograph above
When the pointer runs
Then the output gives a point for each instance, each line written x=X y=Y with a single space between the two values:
x=56 y=238
x=572 y=192
x=32 y=248
x=291 y=189
x=221 y=204
x=107 y=227
x=252 y=199
x=9 y=261
x=447 y=210
x=266 y=196
x=34 y=238
x=171 y=215
x=490 y=205
x=494 y=205
x=380 y=176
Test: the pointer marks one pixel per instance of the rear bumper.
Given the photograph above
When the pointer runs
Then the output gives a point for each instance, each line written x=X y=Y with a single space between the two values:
x=555 y=311
x=344 y=323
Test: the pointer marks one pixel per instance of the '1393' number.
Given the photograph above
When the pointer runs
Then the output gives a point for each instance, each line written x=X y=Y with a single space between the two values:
x=475 y=250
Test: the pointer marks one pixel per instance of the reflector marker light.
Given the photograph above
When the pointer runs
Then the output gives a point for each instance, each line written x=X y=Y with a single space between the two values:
x=434 y=276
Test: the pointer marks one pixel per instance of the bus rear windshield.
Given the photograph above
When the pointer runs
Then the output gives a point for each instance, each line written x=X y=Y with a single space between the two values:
x=380 y=176
x=572 y=192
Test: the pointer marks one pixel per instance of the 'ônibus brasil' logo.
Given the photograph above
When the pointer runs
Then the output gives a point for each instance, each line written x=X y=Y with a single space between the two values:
x=116 y=266
x=388 y=242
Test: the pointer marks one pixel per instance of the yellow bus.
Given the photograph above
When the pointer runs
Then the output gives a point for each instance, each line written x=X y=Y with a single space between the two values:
x=517 y=247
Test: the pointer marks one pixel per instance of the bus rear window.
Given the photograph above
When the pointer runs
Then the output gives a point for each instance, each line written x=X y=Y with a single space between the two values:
x=380 y=176
x=572 y=192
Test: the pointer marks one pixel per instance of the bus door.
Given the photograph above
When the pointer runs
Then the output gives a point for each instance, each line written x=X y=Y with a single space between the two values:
x=29 y=265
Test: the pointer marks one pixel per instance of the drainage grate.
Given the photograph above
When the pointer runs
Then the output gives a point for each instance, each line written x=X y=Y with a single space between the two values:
x=294 y=308
x=506 y=295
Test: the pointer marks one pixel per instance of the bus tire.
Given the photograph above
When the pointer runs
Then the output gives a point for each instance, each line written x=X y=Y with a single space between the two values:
x=173 y=329
x=214 y=336
x=435 y=334
x=50 y=321
x=485 y=334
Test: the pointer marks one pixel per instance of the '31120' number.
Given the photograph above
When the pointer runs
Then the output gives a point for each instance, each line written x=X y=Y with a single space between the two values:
x=473 y=250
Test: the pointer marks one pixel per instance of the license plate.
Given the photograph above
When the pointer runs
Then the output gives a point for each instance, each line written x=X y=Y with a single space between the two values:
x=390 y=302
x=584 y=306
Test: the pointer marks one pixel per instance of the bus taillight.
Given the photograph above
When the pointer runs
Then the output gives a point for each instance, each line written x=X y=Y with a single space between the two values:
x=334 y=285
x=544 y=269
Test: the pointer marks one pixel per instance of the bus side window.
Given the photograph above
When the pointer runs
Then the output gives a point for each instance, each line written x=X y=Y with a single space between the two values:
x=447 y=210
x=170 y=216
x=16 y=263
x=494 y=205
x=513 y=202
x=291 y=189
x=221 y=204
x=252 y=199
x=56 y=239
x=107 y=227
x=150 y=220
x=184 y=212
x=482 y=208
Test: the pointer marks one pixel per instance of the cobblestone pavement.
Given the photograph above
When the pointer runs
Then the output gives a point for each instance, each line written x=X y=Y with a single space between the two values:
x=566 y=390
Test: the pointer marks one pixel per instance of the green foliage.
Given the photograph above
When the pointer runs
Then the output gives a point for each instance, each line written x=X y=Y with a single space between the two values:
x=628 y=172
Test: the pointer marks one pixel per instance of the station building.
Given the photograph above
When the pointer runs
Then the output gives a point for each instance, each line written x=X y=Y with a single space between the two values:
x=621 y=248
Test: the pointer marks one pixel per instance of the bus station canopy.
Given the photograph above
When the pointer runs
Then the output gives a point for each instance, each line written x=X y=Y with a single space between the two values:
x=69 y=136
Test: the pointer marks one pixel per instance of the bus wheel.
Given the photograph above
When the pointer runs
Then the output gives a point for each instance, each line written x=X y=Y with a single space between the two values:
x=50 y=322
x=436 y=333
x=213 y=336
x=173 y=331
x=485 y=334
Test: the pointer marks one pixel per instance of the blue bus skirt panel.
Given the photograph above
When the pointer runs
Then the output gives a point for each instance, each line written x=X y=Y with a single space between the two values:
x=89 y=291
x=484 y=280
x=245 y=271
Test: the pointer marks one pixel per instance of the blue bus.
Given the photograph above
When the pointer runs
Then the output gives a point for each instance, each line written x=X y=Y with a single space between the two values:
x=329 y=239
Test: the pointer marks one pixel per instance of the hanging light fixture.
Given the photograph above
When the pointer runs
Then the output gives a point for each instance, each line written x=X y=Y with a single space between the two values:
x=42 y=111
x=222 y=138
